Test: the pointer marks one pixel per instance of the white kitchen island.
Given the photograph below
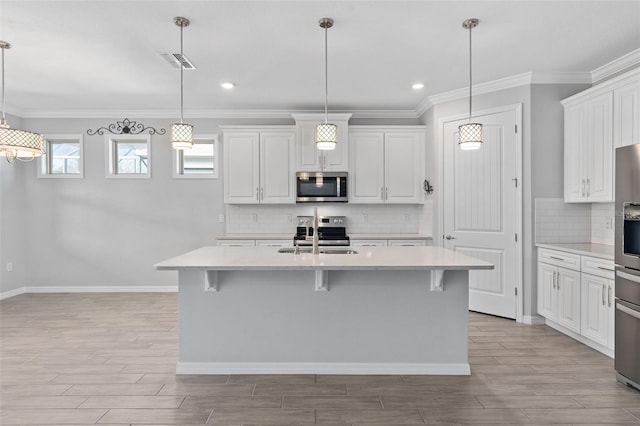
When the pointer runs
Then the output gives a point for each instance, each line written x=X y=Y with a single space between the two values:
x=384 y=310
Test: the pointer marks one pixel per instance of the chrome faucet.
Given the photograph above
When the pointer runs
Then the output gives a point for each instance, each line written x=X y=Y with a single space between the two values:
x=315 y=231
x=314 y=238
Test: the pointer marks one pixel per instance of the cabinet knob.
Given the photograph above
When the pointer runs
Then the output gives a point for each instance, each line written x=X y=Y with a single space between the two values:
x=449 y=237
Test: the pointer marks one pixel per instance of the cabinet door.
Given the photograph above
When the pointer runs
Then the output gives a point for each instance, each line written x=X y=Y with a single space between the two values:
x=611 y=315
x=594 y=311
x=241 y=161
x=308 y=157
x=276 y=167
x=574 y=142
x=337 y=160
x=599 y=185
x=404 y=167
x=626 y=115
x=568 y=288
x=547 y=296
x=366 y=176
x=311 y=159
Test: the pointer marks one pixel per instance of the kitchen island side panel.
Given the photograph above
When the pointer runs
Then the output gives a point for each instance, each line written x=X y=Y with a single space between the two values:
x=373 y=317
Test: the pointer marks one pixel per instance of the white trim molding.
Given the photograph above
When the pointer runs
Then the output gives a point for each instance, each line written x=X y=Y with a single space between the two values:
x=91 y=289
x=533 y=320
x=322 y=368
x=625 y=62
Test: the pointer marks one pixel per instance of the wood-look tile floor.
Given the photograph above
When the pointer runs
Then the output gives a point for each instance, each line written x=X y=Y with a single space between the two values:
x=110 y=359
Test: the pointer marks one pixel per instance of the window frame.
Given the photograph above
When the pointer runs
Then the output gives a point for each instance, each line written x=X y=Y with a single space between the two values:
x=44 y=165
x=111 y=142
x=176 y=160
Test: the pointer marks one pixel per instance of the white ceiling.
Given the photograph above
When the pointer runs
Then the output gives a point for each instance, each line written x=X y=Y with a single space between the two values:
x=91 y=55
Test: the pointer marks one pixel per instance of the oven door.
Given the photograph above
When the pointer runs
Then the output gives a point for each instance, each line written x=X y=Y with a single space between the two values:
x=627 y=206
x=627 y=324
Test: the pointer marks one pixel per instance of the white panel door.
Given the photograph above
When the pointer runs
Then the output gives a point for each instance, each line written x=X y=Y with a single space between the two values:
x=404 y=167
x=599 y=185
x=366 y=168
x=276 y=167
x=568 y=286
x=480 y=202
x=241 y=160
x=594 y=311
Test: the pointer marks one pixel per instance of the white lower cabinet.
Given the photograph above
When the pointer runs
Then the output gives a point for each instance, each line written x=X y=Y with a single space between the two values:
x=407 y=242
x=580 y=298
x=559 y=295
x=392 y=242
x=259 y=243
x=275 y=243
x=368 y=243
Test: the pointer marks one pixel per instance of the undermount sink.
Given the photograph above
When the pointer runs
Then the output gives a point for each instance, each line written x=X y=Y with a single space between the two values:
x=307 y=250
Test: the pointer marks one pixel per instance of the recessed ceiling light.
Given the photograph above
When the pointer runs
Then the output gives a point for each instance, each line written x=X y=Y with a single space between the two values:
x=417 y=86
x=227 y=85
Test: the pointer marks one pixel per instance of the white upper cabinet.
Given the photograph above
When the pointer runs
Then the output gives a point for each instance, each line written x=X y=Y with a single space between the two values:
x=597 y=121
x=386 y=164
x=626 y=114
x=258 y=165
x=311 y=159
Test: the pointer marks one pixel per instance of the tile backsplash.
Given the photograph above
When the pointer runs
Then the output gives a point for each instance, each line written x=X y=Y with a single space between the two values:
x=361 y=218
x=560 y=222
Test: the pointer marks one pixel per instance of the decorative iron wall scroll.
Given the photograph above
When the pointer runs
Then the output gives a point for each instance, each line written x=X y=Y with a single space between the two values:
x=126 y=127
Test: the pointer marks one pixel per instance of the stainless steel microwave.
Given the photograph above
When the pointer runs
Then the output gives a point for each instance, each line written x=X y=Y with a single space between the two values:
x=321 y=187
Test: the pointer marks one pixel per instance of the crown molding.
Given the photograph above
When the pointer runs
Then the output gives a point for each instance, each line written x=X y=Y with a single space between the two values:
x=622 y=63
x=224 y=114
x=561 y=78
x=423 y=106
x=481 y=88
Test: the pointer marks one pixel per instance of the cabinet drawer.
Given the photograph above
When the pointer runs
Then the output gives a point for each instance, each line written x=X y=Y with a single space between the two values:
x=559 y=258
x=275 y=243
x=236 y=243
x=599 y=267
x=407 y=242
x=368 y=243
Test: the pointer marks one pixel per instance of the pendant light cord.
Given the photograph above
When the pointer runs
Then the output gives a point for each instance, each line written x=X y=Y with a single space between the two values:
x=470 y=69
x=326 y=77
x=181 y=77
x=3 y=117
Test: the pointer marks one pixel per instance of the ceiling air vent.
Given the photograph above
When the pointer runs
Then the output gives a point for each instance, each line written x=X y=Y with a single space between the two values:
x=175 y=59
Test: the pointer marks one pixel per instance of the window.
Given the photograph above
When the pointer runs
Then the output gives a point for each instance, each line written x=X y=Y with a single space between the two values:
x=63 y=157
x=129 y=156
x=199 y=162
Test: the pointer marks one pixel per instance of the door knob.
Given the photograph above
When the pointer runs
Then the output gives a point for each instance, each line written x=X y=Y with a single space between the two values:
x=449 y=237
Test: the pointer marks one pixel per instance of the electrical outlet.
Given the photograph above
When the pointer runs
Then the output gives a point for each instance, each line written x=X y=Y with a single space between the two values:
x=221 y=218
x=10 y=267
x=365 y=218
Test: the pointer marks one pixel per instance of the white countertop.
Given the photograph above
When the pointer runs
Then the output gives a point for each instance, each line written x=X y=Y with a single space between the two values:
x=584 y=249
x=368 y=258
x=376 y=236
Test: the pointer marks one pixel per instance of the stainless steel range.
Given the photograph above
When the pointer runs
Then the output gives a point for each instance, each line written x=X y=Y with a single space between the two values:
x=332 y=231
x=627 y=257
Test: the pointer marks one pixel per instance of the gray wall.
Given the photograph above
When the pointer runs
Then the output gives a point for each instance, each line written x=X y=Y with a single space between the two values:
x=13 y=223
x=108 y=232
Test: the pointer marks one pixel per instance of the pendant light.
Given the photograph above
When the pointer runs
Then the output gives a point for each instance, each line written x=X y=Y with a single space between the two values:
x=181 y=133
x=470 y=133
x=326 y=133
x=14 y=143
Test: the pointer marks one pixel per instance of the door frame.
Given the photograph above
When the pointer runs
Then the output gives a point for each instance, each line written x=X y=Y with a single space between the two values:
x=439 y=198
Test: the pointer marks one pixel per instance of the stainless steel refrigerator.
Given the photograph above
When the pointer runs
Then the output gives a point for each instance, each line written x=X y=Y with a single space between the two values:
x=627 y=257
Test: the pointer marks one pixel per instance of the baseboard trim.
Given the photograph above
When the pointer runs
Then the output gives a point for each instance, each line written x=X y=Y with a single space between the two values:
x=580 y=338
x=92 y=289
x=321 y=368
x=533 y=320
x=11 y=293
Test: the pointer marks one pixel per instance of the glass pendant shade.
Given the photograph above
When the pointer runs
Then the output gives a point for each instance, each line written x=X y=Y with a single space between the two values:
x=20 y=143
x=470 y=136
x=181 y=136
x=326 y=136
